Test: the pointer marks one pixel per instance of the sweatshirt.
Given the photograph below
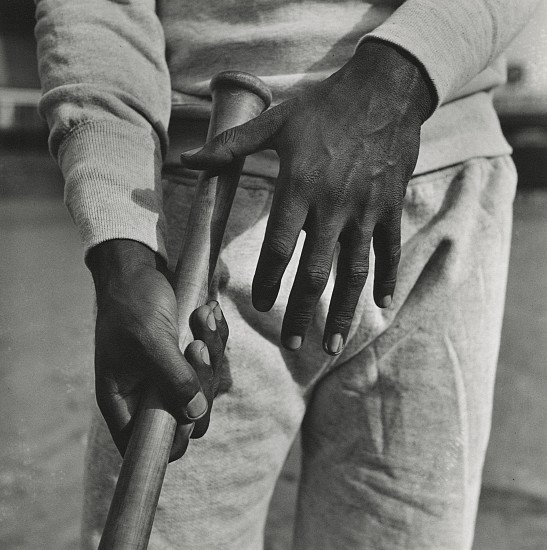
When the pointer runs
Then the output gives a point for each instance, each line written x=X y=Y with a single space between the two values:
x=112 y=70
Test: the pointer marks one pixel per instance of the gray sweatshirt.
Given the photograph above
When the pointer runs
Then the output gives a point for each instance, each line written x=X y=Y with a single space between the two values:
x=111 y=70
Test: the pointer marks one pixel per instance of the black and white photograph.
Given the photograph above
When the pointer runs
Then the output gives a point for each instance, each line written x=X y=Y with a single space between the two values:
x=273 y=275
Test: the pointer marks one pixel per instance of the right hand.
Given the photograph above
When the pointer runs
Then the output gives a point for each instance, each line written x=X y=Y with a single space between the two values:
x=348 y=146
x=136 y=344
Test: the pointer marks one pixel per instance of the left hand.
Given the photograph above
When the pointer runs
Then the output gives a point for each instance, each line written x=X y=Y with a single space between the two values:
x=347 y=148
x=136 y=344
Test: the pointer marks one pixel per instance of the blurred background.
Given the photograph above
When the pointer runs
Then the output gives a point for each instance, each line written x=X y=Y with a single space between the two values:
x=46 y=329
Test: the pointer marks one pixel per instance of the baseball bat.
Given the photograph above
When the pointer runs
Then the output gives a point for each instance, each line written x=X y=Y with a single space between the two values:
x=237 y=98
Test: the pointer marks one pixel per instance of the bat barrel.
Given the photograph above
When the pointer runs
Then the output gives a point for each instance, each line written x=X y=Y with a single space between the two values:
x=237 y=98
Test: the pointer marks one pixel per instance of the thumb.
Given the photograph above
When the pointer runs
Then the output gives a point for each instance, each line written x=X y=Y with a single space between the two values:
x=178 y=382
x=234 y=143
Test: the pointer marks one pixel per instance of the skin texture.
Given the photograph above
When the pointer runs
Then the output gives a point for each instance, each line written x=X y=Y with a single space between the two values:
x=347 y=149
x=136 y=343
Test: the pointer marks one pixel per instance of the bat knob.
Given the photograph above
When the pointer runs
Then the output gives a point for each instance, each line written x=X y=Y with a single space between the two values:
x=238 y=80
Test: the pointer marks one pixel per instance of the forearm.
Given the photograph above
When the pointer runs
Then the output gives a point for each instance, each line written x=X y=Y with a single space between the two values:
x=455 y=41
x=107 y=101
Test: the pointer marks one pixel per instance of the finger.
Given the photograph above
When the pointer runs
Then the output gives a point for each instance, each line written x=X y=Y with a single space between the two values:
x=197 y=355
x=204 y=328
x=178 y=382
x=180 y=441
x=222 y=324
x=202 y=425
x=236 y=142
x=387 y=249
x=351 y=275
x=309 y=283
x=285 y=222
x=118 y=409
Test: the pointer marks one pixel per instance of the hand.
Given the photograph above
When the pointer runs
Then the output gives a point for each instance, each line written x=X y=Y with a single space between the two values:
x=136 y=344
x=347 y=148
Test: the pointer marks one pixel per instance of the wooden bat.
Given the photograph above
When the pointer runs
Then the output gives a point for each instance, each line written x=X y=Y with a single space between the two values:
x=237 y=98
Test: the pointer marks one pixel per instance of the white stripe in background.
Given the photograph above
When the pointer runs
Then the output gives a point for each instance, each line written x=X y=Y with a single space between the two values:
x=19 y=108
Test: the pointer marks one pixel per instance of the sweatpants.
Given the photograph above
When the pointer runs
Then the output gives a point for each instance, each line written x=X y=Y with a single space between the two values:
x=394 y=430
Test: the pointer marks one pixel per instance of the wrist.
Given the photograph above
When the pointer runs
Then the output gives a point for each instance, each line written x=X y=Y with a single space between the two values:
x=395 y=74
x=117 y=260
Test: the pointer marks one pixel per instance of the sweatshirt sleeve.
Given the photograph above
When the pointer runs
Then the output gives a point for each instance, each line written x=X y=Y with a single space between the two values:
x=106 y=98
x=454 y=40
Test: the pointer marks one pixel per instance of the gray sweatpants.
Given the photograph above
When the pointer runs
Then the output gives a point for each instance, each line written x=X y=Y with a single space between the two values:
x=394 y=430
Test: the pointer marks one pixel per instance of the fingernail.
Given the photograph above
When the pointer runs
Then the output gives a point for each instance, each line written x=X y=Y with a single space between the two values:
x=217 y=312
x=211 y=321
x=335 y=343
x=205 y=355
x=190 y=152
x=385 y=301
x=197 y=407
x=293 y=342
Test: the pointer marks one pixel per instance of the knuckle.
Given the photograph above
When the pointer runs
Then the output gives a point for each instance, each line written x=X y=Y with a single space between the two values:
x=186 y=385
x=388 y=278
x=300 y=174
x=337 y=196
x=342 y=319
x=194 y=348
x=227 y=138
x=225 y=144
x=315 y=278
x=297 y=318
x=357 y=233
x=305 y=177
x=279 y=249
x=356 y=276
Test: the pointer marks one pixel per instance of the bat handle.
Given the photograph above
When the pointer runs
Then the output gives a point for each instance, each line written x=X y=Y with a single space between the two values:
x=237 y=98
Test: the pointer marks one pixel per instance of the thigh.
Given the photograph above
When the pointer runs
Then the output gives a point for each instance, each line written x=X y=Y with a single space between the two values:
x=217 y=495
x=395 y=435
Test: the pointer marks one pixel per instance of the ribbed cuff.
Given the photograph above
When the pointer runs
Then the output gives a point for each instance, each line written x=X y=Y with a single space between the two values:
x=441 y=39
x=113 y=190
